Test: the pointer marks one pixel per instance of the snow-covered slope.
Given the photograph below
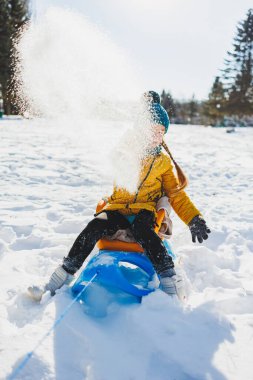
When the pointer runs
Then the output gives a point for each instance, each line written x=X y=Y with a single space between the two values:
x=51 y=180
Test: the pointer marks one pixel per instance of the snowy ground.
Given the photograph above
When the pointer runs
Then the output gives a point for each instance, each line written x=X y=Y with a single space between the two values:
x=51 y=180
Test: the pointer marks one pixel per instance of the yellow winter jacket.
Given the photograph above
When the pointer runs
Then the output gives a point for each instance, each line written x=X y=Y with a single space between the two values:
x=156 y=179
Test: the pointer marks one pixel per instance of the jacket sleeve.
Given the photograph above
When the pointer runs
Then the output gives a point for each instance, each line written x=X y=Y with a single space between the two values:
x=181 y=203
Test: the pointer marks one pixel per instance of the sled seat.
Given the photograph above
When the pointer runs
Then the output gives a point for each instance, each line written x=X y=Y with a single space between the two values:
x=118 y=245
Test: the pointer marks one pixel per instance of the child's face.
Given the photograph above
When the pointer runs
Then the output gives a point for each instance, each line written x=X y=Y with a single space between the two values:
x=158 y=132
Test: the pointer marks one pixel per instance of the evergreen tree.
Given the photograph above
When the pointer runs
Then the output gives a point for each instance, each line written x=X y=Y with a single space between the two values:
x=168 y=103
x=13 y=15
x=214 y=107
x=5 y=46
x=193 y=109
x=19 y=13
x=238 y=75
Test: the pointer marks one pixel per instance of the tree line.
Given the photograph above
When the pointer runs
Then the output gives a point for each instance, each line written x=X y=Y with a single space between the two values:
x=231 y=95
x=13 y=15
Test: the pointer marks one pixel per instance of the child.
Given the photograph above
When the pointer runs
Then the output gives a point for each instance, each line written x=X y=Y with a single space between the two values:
x=137 y=211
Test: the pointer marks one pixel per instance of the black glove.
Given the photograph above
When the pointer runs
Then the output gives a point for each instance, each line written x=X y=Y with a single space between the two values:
x=198 y=229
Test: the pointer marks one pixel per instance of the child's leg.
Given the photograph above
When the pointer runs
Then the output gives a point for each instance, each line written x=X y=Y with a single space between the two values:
x=106 y=223
x=144 y=233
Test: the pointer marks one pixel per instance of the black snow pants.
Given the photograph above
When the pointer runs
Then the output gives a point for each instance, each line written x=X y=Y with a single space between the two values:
x=106 y=224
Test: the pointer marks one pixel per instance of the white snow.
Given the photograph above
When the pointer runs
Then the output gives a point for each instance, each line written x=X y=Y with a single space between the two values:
x=65 y=63
x=51 y=180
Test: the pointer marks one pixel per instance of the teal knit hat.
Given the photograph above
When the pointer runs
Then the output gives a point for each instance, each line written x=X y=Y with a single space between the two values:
x=159 y=115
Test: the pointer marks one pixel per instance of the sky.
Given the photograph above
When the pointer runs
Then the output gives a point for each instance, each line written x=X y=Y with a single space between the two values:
x=176 y=45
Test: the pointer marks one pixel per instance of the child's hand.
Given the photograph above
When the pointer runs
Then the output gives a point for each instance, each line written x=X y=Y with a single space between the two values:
x=198 y=229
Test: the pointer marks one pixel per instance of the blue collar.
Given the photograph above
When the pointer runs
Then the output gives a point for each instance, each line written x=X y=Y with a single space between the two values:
x=154 y=151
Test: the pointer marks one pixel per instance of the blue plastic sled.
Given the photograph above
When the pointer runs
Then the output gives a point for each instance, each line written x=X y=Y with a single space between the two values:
x=122 y=278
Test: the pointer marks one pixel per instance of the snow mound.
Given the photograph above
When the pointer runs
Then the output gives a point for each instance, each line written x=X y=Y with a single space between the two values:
x=43 y=207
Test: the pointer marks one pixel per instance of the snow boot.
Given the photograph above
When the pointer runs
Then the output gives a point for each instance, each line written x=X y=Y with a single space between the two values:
x=59 y=278
x=172 y=284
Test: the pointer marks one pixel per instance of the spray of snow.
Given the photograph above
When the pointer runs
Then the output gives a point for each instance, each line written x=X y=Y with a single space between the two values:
x=130 y=150
x=71 y=73
x=68 y=66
